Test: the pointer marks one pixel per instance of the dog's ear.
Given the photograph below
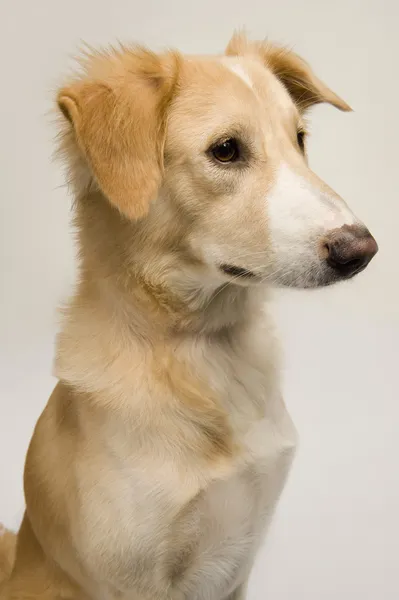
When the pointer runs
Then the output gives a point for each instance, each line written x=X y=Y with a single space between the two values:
x=117 y=112
x=302 y=84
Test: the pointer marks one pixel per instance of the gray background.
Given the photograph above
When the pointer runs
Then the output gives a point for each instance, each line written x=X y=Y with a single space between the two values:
x=336 y=531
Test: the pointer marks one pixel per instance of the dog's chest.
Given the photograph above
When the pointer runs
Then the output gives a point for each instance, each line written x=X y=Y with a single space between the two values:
x=208 y=545
x=227 y=521
x=230 y=521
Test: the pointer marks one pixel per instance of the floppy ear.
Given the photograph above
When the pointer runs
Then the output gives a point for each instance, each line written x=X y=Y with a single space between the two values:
x=117 y=112
x=302 y=84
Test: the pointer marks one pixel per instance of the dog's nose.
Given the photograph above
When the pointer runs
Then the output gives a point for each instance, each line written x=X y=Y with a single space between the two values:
x=350 y=249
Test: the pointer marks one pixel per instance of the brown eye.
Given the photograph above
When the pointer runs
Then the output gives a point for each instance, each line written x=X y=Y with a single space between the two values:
x=300 y=136
x=227 y=151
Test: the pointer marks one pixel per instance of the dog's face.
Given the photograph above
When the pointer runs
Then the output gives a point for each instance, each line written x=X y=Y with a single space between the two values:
x=221 y=143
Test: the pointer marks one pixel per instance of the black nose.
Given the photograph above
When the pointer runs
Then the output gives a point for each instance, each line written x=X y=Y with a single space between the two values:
x=350 y=249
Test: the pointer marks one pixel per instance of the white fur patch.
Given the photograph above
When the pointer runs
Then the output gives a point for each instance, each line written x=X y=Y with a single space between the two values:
x=296 y=210
x=238 y=70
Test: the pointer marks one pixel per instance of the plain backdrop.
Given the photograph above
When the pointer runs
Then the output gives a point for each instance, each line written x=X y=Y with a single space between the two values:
x=335 y=535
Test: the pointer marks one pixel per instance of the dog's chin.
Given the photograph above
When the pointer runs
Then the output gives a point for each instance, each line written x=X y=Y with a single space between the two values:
x=307 y=279
x=299 y=279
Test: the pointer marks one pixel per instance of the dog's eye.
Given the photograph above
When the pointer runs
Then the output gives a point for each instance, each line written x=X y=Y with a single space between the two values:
x=226 y=151
x=300 y=136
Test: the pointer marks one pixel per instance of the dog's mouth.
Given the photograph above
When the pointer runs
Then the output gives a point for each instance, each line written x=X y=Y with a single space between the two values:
x=237 y=272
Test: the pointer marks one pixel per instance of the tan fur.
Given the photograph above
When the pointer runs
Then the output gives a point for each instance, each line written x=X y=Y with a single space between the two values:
x=305 y=88
x=118 y=115
x=7 y=552
x=159 y=459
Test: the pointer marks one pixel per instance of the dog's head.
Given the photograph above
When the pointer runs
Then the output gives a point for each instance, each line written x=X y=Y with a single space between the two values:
x=217 y=144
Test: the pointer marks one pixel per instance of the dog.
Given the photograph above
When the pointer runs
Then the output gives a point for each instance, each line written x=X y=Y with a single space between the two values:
x=157 y=464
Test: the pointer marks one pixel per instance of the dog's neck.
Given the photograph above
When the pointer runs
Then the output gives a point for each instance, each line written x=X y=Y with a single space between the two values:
x=136 y=296
x=145 y=271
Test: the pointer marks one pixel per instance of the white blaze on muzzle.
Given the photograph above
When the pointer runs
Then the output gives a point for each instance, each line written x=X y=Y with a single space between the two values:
x=298 y=213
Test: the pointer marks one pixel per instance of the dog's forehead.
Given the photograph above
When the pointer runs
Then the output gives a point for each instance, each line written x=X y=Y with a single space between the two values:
x=237 y=79
x=263 y=83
